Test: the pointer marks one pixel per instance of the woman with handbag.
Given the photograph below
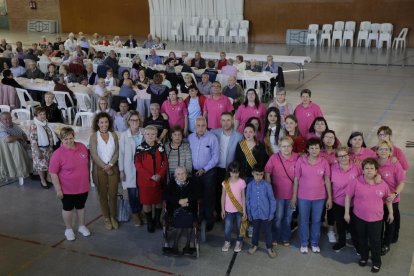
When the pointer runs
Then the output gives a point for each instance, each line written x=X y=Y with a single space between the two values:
x=42 y=140
x=233 y=206
x=104 y=150
x=151 y=164
x=280 y=172
x=129 y=141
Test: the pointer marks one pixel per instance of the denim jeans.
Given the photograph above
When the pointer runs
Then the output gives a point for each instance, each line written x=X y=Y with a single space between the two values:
x=134 y=203
x=281 y=231
x=267 y=226
x=228 y=225
x=306 y=208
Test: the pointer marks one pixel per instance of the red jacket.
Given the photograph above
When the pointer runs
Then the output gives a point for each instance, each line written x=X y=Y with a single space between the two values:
x=201 y=101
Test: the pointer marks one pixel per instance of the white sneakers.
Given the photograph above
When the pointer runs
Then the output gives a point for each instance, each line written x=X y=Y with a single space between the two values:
x=331 y=236
x=70 y=235
x=316 y=249
x=226 y=246
x=304 y=249
x=84 y=231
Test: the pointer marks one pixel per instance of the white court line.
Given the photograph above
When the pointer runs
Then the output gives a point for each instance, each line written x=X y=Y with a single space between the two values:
x=412 y=266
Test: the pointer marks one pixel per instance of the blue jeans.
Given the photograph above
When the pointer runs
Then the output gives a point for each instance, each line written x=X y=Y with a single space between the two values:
x=228 y=225
x=306 y=208
x=134 y=203
x=281 y=231
x=267 y=226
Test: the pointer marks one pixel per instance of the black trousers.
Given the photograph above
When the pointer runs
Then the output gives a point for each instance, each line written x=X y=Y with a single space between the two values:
x=369 y=232
x=221 y=173
x=342 y=226
x=207 y=183
x=388 y=229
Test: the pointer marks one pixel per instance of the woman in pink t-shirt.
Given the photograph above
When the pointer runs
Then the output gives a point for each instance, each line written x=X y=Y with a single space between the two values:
x=306 y=112
x=312 y=188
x=393 y=174
x=230 y=212
x=69 y=170
x=368 y=198
x=176 y=111
x=252 y=107
x=280 y=171
x=342 y=173
x=358 y=149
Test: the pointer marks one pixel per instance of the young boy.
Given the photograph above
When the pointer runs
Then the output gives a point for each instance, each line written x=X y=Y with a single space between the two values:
x=261 y=206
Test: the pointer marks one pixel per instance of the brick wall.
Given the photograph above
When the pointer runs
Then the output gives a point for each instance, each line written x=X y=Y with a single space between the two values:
x=19 y=12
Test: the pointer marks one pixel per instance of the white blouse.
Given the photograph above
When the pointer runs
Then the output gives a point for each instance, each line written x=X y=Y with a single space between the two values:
x=105 y=150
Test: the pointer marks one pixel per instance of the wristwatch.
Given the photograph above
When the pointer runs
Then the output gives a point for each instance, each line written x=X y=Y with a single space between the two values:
x=396 y=194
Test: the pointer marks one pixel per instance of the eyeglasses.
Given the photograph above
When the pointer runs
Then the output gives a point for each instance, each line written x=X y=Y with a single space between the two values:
x=342 y=156
x=382 y=134
x=134 y=120
x=216 y=85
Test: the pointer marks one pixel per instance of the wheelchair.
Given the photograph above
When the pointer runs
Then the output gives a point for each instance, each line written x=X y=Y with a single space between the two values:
x=177 y=222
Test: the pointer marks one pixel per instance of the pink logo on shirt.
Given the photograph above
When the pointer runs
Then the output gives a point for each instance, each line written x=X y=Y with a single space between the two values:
x=308 y=114
x=379 y=193
x=387 y=174
x=220 y=106
x=320 y=172
x=83 y=155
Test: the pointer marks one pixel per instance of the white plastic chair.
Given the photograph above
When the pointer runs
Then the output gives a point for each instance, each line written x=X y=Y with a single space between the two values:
x=338 y=32
x=212 y=31
x=364 y=29
x=385 y=35
x=326 y=34
x=60 y=97
x=244 y=31
x=349 y=33
x=222 y=79
x=4 y=108
x=203 y=29
x=125 y=62
x=313 y=30
x=374 y=34
x=43 y=66
x=223 y=30
x=21 y=114
x=234 y=32
x=177 y=30
x=400 y=39
x=193 y=28
x=231 y=100
x=83 y=101
x=30 y=104
x=85 y=117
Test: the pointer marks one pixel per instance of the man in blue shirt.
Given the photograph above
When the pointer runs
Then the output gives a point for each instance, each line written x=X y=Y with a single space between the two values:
x=120 y=116
x=153 y=59
x=127 y=91
x=205 y=153
x=273 y=67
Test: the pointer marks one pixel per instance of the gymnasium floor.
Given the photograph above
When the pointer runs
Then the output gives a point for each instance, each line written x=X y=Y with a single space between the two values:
x=353 y=96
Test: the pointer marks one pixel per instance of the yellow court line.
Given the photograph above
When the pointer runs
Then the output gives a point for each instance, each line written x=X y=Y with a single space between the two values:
x=29 y=262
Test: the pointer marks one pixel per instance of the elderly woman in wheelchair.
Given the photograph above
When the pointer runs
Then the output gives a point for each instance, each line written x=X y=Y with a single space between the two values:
x=181 y=198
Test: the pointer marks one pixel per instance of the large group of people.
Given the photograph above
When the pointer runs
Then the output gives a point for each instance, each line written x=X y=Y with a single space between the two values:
x=243 y=160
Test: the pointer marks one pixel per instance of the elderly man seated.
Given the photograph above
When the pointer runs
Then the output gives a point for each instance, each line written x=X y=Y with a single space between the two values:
x=153 y=58
x=149 y=43
x=198 y=61
x=14 y=158
x=112 y=62
x=235 y=91
x=33 y=72
x=181 y=195
x=205 y=84
x=127 y=90
x=16 y=69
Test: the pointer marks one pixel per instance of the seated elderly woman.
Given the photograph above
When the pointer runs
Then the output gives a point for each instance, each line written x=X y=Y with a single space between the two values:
x=14 y=157
x=181 y=196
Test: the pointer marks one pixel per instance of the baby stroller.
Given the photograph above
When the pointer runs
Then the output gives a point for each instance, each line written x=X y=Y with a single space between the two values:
x=178 y=221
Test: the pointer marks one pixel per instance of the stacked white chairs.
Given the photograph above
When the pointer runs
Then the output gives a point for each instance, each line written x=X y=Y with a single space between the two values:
x=385 y=35
x=223 y=30
x=83 y=101
x=4 y=108
x=313 y=30
x=85 y=117
x=21 y=114
x=326 y=34
x=212 y=31
x=364 y=29
x=193 y=28
x=244 y=31
x=234 y=32
x=400 y=39
x=30 y=104
x=60 y=97
x=177 y=29
x=203 y=29
x=374 y=34
x=338 y=32
x=349 y=33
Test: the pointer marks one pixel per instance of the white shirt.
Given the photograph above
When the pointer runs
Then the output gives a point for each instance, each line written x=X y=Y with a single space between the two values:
x=274 y=140
x=70 y=45
x=241 y=66
x=110 y=82
x=224 y=144
x=105 y=150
